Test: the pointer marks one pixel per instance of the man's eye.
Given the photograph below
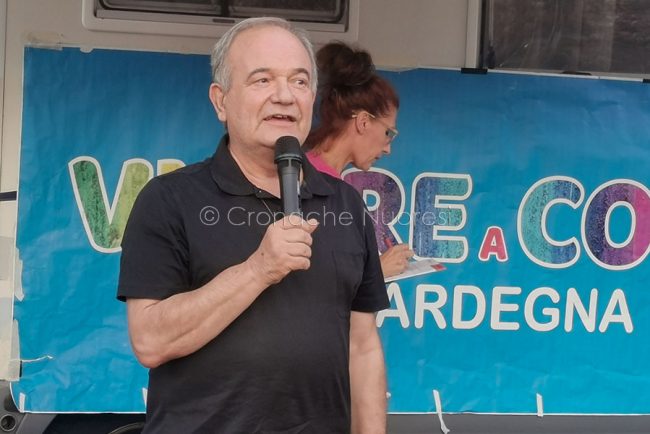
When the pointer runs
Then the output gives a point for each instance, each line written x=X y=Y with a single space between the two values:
x=301 y=82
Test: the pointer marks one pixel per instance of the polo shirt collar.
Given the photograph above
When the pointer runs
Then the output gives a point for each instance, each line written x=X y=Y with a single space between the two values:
x=230 y=179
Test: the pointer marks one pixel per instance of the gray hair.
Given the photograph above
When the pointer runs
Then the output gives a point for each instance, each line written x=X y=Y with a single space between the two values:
x=220 y=69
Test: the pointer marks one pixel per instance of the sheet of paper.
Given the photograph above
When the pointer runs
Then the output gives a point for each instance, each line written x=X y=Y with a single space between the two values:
x=417 y=268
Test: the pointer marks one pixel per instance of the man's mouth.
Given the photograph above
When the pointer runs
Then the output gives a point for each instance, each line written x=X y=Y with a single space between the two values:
x=280 y=117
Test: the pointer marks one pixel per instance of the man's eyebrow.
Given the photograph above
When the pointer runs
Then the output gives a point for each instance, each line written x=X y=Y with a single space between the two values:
x=294 y=72
x=301 y=71
x=257 y=71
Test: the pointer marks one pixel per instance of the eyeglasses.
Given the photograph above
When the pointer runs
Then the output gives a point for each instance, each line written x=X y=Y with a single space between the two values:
x=391 y=132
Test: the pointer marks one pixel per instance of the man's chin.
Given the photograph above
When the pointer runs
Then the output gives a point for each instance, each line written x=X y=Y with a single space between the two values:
x=274 y=137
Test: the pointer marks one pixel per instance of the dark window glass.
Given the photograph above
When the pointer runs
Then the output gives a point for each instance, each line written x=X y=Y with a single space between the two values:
x=306 y=10
x=567 y=35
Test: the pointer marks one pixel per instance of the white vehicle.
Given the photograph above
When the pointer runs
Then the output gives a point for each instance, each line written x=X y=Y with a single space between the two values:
x=510 y=179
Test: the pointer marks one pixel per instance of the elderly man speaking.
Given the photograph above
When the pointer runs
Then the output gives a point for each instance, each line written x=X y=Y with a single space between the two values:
x=251 y=323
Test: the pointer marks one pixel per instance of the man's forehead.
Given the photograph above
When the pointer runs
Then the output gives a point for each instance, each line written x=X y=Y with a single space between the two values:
x=250 y=46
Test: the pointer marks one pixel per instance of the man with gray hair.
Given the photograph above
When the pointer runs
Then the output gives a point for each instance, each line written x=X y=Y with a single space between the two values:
x=251 y=324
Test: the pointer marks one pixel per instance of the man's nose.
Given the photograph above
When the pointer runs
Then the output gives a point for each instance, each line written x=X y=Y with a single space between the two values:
x=283 y=94
x=387 y=148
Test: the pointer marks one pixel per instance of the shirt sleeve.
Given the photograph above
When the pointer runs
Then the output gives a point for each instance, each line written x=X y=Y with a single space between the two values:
x=154 y=262
x=371 y=295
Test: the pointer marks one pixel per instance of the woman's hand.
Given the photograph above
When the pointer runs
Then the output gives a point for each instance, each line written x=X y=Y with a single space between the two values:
x=395 y=259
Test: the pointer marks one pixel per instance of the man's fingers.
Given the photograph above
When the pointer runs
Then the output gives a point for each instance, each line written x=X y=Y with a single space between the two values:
x=299 y=250
x=298 y=235
x=311 y=225
x=291 y=220
x=295 y=221
x=288 y=244
x=302 y=264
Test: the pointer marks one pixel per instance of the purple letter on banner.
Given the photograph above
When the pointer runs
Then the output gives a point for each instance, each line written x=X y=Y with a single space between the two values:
x=596 y=224
x=384 y=196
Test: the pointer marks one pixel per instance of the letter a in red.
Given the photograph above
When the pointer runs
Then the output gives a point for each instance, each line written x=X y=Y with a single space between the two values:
x=493 y=244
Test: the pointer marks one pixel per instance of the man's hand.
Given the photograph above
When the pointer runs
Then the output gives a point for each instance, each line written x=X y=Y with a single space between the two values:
x=395 y=259
x=286 y=247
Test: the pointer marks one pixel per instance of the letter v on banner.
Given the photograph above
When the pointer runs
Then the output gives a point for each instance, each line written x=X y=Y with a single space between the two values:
x=104 y=223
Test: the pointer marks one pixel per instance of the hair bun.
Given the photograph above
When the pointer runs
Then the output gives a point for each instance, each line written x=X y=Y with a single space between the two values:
x=341 y=65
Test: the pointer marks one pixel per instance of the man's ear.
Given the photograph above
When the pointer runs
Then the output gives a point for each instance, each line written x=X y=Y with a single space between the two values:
x=218 y=98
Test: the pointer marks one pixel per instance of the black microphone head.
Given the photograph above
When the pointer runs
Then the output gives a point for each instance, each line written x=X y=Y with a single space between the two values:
x=288 y=158
x=287 y=148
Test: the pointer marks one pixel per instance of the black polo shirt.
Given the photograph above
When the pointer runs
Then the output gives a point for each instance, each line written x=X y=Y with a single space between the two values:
x=282 y=366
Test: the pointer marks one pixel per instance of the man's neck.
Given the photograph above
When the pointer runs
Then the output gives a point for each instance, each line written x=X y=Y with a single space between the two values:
x=258 y=167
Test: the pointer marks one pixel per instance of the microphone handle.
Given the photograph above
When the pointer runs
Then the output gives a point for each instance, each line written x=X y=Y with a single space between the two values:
x=290 y=188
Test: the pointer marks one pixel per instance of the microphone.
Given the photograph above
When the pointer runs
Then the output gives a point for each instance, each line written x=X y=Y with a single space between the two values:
x=288 y=158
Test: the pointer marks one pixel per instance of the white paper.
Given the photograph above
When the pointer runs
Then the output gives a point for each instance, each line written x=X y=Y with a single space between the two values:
x=417 y=268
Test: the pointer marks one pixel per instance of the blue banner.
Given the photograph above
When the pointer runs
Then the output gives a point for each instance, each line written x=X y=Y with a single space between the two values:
x=531 y=190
